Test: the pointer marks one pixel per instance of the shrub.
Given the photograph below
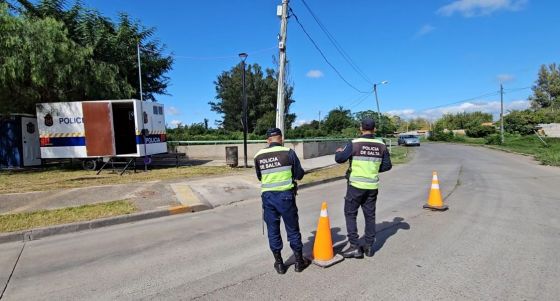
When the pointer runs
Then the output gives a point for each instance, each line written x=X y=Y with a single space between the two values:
x=479 y=131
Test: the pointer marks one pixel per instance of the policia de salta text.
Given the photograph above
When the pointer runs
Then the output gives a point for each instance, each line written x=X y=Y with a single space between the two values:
x=368 y=157
x=277 y=168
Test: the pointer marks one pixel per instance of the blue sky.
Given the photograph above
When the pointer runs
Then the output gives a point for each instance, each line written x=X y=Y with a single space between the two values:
x=433 y=52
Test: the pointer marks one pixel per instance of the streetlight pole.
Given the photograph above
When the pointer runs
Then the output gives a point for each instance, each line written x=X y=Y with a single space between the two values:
x=502 y=113
x=377 y=101
x=244 y=56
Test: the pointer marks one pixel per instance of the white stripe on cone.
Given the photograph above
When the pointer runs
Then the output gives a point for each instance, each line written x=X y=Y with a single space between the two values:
x=324 y=213
x=435 y=186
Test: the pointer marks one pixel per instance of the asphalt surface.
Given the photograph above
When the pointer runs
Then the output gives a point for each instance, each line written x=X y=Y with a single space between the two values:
x=499 y=240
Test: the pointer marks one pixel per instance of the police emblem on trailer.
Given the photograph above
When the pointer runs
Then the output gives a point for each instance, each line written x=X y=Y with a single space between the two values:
x=48 y=120
x=30 y=127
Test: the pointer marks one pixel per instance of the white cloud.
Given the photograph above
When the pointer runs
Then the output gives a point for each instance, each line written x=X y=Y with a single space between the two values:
x=172 y=111
x=504 y=78
x=176 y=123
x=492 y=107
x=314 y=74
x=424 y=30
x=300 y=122
x=474 y=8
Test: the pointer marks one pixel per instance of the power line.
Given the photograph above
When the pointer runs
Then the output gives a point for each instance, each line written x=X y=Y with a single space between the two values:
x=461 y=101
x=359 y=101
x=337 y=45
x=518 y=89
x=322 y=54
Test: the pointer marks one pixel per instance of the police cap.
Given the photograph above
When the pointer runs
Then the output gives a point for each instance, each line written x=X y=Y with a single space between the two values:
x=273 y=132
x=368 y=124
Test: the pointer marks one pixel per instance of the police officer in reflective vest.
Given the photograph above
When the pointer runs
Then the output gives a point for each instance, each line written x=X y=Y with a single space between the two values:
x=368 y=157
x=277 y=168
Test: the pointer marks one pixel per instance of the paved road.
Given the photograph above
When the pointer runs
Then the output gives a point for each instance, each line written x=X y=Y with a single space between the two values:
x=499 y=240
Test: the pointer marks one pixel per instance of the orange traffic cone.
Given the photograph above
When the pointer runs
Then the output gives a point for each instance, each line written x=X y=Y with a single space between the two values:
x=323 y=253
x=435 y=202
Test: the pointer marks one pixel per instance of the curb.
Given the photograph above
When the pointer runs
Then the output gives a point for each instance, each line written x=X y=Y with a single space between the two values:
x=33 y=234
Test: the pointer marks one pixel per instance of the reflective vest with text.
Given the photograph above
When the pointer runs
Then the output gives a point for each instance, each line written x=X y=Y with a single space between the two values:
x=367 y=154
x=276 y=169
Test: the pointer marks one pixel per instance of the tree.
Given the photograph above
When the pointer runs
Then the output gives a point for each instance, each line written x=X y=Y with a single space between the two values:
x=49 y=53
x=383 y=128
x=525 y=122
x=546 y=91
x=339 y=119
x=261 y=88
x=464 y=120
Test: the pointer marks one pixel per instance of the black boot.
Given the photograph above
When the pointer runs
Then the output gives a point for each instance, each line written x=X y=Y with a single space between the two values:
x=354 y=252
x=369 y=251
x=301 y=262
x=279 y=263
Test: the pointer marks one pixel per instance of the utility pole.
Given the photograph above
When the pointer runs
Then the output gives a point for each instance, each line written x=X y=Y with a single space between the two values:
x=502 y=112
x=146 y=159
x=139 y=71
x=378 y=111
x=280 y=106
x=243 y=57
x=319 y=120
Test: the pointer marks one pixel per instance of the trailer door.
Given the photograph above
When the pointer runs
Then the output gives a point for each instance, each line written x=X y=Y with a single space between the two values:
x=30 y=142
x=98 y=125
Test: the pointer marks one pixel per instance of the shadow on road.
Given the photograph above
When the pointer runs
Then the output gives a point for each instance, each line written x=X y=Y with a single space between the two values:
x=384 y=229
x=388 y=229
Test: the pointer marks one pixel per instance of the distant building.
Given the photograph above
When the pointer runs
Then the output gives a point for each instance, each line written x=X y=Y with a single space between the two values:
x=550 y=129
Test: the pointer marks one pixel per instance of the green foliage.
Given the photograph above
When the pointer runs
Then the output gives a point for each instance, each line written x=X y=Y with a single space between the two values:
x=464 y=120
x=49 y=53
x=383 y=128
x=339 y=119
x=479 y=131
x=261 y=89
x=546 y=92
x=493 y=139
x=309 y=130
x=525 y=122
x=440 y=134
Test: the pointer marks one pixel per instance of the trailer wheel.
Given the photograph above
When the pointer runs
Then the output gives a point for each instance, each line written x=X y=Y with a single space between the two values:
x=89 y=164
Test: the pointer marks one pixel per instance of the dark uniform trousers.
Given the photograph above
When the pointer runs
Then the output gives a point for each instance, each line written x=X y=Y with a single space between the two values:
x=356 y=198
x=278 y=204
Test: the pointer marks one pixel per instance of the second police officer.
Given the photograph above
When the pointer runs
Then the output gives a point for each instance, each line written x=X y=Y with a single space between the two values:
x=278 y=168
x=368 y=157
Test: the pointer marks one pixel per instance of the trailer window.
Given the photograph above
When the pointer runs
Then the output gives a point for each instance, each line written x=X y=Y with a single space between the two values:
x=160 y=110
x=155 y=110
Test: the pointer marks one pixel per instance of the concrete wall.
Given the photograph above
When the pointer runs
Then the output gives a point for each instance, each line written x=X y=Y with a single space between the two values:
x=304 y=150
x=551 y=129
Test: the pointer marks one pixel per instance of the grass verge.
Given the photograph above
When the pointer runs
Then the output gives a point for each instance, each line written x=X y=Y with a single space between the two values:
x=43 y=218
x=531 y=145
x=55 y=178
x=399 y=155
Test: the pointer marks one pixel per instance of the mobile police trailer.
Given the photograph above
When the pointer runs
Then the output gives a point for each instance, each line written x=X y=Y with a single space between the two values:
x=19 y=141
x=95 y=129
